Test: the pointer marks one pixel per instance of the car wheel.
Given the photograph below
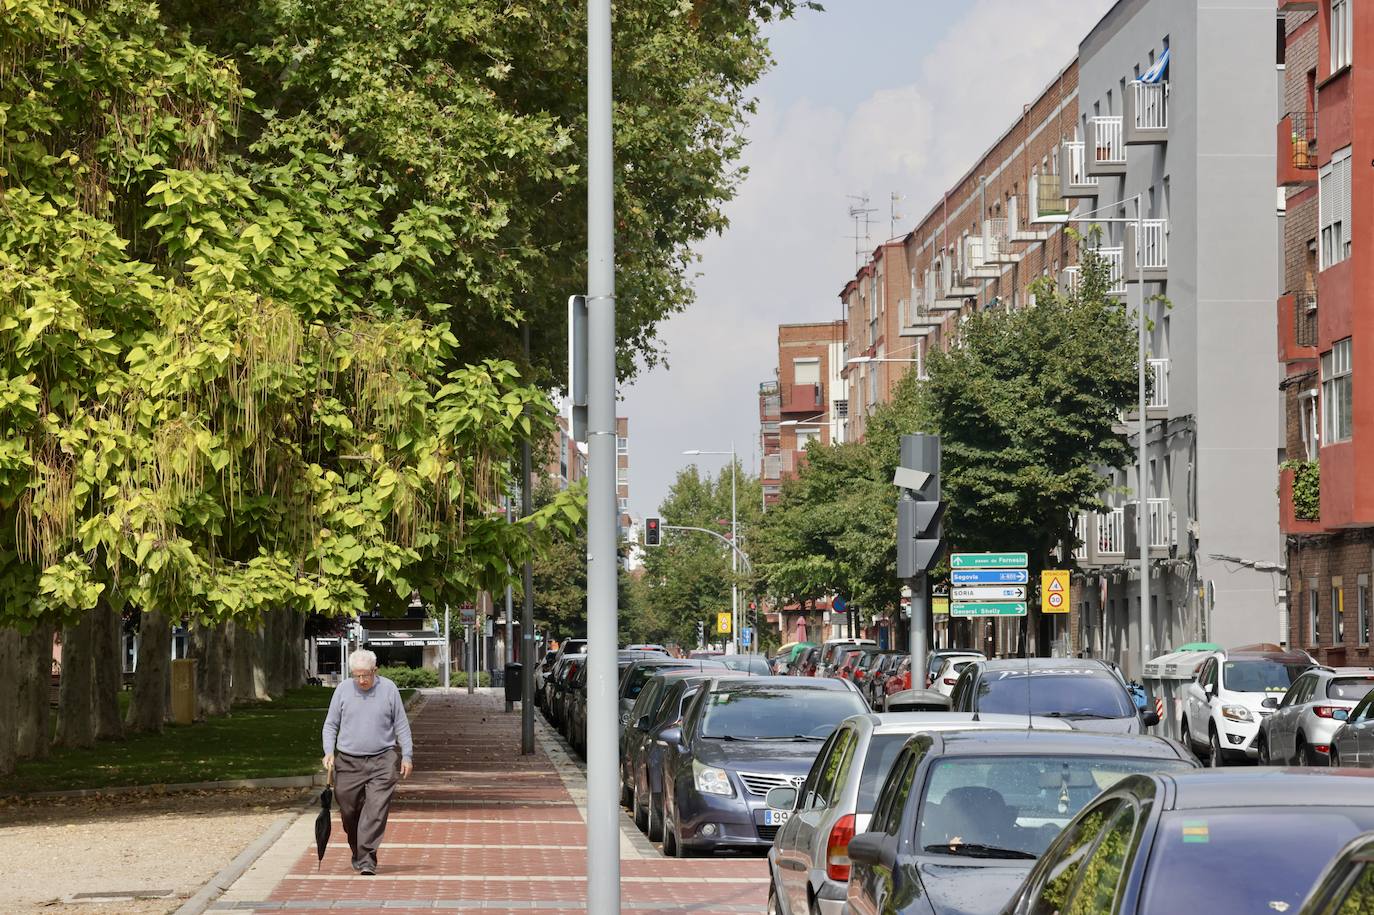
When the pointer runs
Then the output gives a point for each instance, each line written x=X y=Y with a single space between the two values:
x=1214 y=756
x=669 y=843
x=641 y=814
x=655 y=820
x=1262 y=751
x=1308 y=756
x=627 y=796
x=1185 y=737
x=773 y=907
x=1335 y=758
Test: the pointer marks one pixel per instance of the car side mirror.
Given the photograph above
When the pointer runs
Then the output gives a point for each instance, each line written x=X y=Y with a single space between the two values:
x=1341 y=714
x=1149 y=717
x=782 y=798
x=671 y=736
x=643 y=723
x=1208 y=689
x=873 y=849
x=1270 y=702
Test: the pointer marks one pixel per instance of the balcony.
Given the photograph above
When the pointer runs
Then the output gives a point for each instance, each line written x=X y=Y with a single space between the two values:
x=1147 y=258
x=1161 y=528
x=1158 y=398
x=973 y=265
x=917 y=320
x=1292 y=518
x=1146 y=113
x=1068 y=280
x=1106 y=146
x=1296 y=6
x=997 y=247
x=1298 y=327
x=1046 y=202
x=803 y=398
x=1297 y=149
x=1075 y=181
x=950 y=292
x=1111 y=533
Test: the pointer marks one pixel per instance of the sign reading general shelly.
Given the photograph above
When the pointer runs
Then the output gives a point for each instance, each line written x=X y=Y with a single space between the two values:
x=988 y=561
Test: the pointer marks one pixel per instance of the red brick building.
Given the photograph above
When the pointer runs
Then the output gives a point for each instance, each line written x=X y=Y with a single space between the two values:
x=804 y=403
x=1326 y=326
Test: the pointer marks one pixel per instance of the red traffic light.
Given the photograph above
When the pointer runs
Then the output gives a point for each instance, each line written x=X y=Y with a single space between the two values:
x=651 y=532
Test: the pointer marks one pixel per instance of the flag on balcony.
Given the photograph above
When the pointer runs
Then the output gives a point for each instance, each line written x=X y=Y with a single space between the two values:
x=1156 y=73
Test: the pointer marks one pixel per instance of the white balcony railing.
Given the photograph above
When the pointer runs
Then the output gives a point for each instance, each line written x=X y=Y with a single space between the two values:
x=1151 y=105
x=1109 y=145
x=1111 y=533
x=1078 y=164
x=1152 y=248
x=1159 y=393
x=1068 y=279
x=1080 y=533
x=1162 y=533
x=1116 y=280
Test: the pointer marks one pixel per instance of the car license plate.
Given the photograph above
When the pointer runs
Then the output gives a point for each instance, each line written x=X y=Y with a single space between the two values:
x=772 y=817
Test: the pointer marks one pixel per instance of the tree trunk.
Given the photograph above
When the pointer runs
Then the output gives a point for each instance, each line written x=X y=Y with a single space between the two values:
x=211 y=649
x=34 y=731
x=250 y=676
x=295 y=651
x=75 y=708
x=9 y=718
x=108 y=642
x=148 y=705
x=274 y=635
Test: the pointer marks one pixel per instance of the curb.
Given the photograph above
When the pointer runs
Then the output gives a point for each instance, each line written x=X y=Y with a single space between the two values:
x=235 y=869
x=281 y=781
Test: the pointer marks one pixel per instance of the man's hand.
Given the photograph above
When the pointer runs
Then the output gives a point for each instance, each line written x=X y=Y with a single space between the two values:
x=406 y=767
x=329 y=761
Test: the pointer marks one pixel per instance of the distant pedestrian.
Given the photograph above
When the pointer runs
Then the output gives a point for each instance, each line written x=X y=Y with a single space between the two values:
x=365 y=724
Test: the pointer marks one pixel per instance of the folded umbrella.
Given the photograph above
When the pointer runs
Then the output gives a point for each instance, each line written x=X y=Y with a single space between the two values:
x=323 y=823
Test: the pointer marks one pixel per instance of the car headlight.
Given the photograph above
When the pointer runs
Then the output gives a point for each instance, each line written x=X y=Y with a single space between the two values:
x=1236 y=713
x=710 y=780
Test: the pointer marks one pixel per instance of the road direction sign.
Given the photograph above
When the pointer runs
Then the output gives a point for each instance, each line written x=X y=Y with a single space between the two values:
x=746 y=636
x=1054 y=591
x=989 y=577
x=993 y=608
x=989 y=592
x=988 y=560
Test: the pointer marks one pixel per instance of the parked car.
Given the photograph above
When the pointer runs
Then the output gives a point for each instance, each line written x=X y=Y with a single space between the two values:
x=541 y=673
x=739 y=739
x=807 y=867
x=948 y=673
x=705 y=654
x=1315 y=707
x=659 y=649
x=806 y=663
x=1229 y=843
x=561 y=687
x=571 y=646
x=899 y=680
x=574 y=718
x=790 y=656
x=1353 y=743
x=825 y=661
x=936 y=658
x=963 y=815
x=639 y=673
x=644 y=748
x=1234 y=690
x=748 y=663
x=916 y=700
x=880 y=663
x=1346 y=886
x=855 y=661
x=1087 y=693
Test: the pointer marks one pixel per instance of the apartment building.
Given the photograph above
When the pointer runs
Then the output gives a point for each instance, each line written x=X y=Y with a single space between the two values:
x=1324 y=327
x=1171 y=137
x=567 y=457
x=622 y=472
x=806 y=402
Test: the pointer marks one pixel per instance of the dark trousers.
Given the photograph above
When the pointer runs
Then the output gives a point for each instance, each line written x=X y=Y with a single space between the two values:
x=363 y=786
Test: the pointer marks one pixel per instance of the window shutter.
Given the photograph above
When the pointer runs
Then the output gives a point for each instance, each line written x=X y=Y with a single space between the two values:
x=1345 y=204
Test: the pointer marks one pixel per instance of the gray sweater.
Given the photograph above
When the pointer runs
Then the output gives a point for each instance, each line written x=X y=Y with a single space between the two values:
x=366 y=722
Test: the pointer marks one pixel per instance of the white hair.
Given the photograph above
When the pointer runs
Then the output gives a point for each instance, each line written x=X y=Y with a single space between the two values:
x=362 y=659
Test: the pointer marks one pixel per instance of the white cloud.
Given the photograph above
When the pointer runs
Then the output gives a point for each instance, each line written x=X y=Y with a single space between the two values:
x=785 y=258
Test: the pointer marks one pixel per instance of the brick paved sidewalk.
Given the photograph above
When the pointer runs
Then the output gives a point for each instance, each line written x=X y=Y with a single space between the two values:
x=479 y=828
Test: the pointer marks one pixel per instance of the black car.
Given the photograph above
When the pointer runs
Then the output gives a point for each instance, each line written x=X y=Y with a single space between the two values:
x=748 y=663
x=638 y=674
x=1230 y=842
x=740 y=738
x=1087 y=693
x=962 y=815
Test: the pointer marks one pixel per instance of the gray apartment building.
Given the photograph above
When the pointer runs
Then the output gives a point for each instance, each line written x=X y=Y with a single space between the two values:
x=1176 y=106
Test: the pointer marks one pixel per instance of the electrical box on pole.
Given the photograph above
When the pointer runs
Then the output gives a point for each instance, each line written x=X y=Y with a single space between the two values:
x=577 y=366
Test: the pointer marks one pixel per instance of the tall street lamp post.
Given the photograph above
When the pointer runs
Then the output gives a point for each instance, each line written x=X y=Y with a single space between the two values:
x=734 y=539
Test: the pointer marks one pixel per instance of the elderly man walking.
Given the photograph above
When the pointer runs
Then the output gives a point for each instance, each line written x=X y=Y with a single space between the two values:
x=366 y=722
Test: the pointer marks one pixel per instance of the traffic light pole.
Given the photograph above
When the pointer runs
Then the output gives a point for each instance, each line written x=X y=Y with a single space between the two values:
x=919 y=537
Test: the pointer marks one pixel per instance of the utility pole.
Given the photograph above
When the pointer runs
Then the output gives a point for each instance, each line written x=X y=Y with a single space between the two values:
x=527 y=659
x=603 y=777
x=448 y=650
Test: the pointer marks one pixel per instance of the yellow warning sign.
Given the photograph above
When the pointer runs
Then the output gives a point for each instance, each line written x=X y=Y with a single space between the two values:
x=723 y=623
x=1054 y=591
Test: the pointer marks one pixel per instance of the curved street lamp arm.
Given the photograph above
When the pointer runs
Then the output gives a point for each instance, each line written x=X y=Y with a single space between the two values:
x=743 y=556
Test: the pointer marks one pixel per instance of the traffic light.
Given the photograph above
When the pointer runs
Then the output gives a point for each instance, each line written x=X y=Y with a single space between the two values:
x=652 y=532
x=701 y=633
x=920 y=535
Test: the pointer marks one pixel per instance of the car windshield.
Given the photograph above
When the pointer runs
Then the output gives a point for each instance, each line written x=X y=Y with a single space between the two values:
x=1194 y=847
x=636 y=679
x=745 y=712
x=1351 y=689
x=1014 y=806
x=1259 y=676
x=749 y=663
x=1057 y=694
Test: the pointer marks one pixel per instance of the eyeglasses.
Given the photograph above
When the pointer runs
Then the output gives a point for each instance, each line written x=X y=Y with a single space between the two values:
x=364 y=674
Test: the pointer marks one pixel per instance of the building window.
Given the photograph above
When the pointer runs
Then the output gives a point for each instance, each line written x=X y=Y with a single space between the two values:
x=1340 y=34
x=807 y=435
x=1337 y=613
x=1334 y=203
x=806 y=371
x=1308 y=412
x=622 y=444
x=622 y=476
x=1337 y=386
x=1312 y=631
x=1362 y=604
x=624 y=505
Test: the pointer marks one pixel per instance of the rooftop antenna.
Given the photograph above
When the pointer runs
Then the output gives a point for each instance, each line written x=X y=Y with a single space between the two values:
x=859 y=211
x=893 y=214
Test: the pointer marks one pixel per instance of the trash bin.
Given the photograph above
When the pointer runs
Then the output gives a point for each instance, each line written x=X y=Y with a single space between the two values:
x=513 y=680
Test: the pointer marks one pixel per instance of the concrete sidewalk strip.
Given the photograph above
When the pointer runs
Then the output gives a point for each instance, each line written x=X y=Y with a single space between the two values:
x=481 y=828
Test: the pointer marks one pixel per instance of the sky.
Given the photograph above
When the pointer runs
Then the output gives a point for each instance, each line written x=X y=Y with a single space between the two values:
x=869 y=97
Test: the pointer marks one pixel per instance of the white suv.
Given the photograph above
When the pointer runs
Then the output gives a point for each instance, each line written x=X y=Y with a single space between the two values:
x=1233 y=692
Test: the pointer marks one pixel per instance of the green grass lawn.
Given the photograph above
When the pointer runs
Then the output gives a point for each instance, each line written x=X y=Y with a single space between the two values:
x=262 y=740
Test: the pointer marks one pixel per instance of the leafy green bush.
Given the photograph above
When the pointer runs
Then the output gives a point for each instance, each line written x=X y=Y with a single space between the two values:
x=460 y=678
x=1307 y=489
x=411 y=677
